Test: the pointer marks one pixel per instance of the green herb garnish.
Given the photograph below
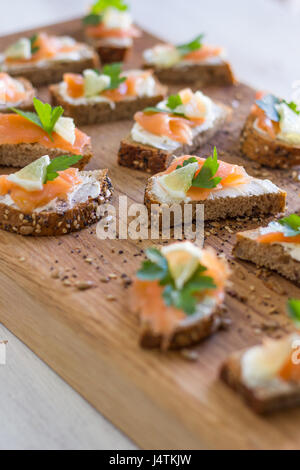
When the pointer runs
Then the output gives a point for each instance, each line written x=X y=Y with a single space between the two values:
x=92 y=19
x=194 y=45
x=156 y=268
x=293 y=308
x=60 y=164
x=45 y=117
x=187 y=162
x=114 y=71
x=101 y=5
x=174 y=101
x=268 y=105
x=206 y=176
x=291 y=224
x=34 y=47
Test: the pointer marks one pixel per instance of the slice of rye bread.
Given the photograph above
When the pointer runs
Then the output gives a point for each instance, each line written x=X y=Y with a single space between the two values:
x=62 y=221
x=263 y=149
x=20 y=155
x=198 y=74
x=262 y=400
x=97 y=113
x=185 y=335
x=147 y=158
x=53 y=72
x=27 y=103
x=109 y=54
x=268 y=255
x=221 y=207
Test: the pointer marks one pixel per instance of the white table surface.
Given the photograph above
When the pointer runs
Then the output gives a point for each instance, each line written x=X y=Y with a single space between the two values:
x=39 y=410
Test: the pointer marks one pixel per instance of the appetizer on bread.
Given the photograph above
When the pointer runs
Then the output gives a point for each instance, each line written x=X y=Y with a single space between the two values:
x=178 y=294
x=190 y=63
x=271 y=135
x=178 y=125
x=109 y=29
x=276 y=246
x=224 y=189
x=109 y=95
x=49 y=197
x=43 y=59
x=267 y=376
x=26 y=136
x=15 y=92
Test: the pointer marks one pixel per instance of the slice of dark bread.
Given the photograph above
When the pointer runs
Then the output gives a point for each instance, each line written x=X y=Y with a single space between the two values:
x=263 y=149
x=63 y=220
x=268 y=255
x=198 y=74
x=20 y=155
x=147 y=158
x=223 y=207
x=109 y=54
x=97 y=113
x=262 y=400
x=53 y=72
x=27 y=103
x=185 y=335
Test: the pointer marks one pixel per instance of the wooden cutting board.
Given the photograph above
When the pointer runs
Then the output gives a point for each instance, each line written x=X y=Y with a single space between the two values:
x=159 y=400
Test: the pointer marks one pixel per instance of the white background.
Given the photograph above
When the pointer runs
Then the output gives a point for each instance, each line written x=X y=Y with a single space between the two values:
x=38 y=410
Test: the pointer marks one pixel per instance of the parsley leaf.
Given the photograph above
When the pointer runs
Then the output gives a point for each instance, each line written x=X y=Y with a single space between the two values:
x=187 y=162
x=294 y=311
x=205 y=178
x=113 y=71
x=293 y=106
x=60 y=164
x=292 y=224
x=156 y=268
x=174 y=101
x=45 y=117
x=101 y=5
x=267 y=104
x=34 y=47
x=194 y=45
x=92 y=19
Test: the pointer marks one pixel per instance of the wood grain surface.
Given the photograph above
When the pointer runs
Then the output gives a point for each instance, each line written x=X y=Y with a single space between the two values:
x=159 y=400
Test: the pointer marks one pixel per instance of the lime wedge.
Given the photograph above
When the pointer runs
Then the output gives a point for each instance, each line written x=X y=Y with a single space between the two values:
x=32 y=176
x=94 y=83
x=183 y=260
x=179 y=181
x=19 y=50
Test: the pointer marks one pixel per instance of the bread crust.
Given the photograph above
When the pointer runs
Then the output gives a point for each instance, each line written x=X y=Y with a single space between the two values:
x=272 y=256
x=260 y=400
x=97 y=113
x=224 y=208
x=20 y=155
x=147 y=158
x=27 y=103
x=50 y=223
x=198 y=74
x=261 y=148
x=184 y=336
x=109 y=54
x=53 y=72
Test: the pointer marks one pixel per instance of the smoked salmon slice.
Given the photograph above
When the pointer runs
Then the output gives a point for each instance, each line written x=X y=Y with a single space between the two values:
x=9 y=91
x=264 y=123
x=290 y=371
x=15 y=129
x=232 y=175
x=164 y=124
x=75 y=84
x=28 y=201
x=278 y=237
x=205 y=52
x=100 y=31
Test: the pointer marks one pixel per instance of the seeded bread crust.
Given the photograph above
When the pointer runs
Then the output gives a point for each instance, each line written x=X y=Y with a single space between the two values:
x=27 y=103
x=184 y=336
x=261 y=400
x=20 y=155
x=223 y=208
x=147 y=158
x=198 y=74
x=272 y=256
x=50 y=223
x=97 y=113
x=53 y=72
x=265 y=150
